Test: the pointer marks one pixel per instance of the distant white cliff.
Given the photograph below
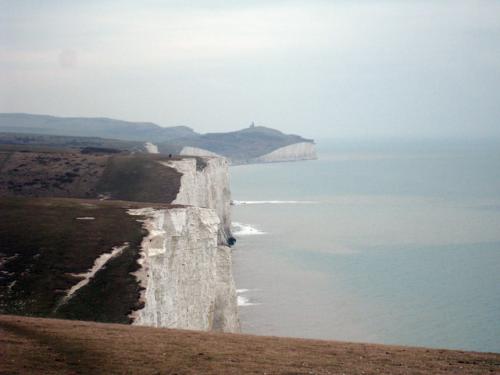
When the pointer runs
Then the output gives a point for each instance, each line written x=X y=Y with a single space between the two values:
x=195 y=151
x=151 y=148
x=293 y=152
x=186 y=267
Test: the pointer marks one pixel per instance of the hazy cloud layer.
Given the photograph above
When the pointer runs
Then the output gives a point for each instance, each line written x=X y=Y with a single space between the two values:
x=319 y=68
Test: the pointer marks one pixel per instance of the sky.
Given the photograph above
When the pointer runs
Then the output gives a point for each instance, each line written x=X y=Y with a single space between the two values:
x=322 y=69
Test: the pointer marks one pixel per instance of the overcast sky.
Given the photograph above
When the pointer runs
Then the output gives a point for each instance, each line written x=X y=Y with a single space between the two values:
x=317 y=68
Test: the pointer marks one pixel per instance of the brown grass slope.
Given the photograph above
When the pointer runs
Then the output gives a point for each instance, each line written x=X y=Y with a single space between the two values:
x=70 y=173
x=65 y=142
x=46 y=346
x=43 y=244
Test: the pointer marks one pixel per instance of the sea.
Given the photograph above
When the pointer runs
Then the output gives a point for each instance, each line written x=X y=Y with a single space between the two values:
x=380 y=241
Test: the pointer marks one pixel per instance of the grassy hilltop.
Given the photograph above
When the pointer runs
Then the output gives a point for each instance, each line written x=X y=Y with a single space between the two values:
x=60 y=211
x=71 y=173
x=32 y=346
x=239 y=146
x=47 y=243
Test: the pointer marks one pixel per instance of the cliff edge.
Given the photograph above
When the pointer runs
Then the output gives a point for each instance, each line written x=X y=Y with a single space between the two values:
x=152 y=250
x=186 y=266
x=293 y=152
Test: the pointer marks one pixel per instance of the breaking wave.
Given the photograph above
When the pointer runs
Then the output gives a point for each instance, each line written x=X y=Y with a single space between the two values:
x=244 y=301
x=239 y=203
x=245 y=230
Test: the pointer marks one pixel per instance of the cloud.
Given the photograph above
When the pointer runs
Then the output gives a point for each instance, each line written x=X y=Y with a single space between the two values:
x=310 y=67
x=68 y=58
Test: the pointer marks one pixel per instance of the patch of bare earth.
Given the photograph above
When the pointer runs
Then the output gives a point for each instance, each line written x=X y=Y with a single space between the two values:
x=34 y=345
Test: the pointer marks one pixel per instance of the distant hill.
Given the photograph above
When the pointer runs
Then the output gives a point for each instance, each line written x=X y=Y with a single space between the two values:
x=246 y=145
x=66 y=141
x=243 y=144
x=91 y=127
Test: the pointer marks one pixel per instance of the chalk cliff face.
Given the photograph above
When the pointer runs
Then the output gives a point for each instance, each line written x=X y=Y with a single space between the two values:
x=226 y=317
x=296 y=151
x=195 y=151
x=208 y=188
x=186 y=269
x=151 y=148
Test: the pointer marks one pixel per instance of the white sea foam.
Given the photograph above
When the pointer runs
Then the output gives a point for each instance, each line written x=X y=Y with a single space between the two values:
x=240 y=291
x=245 y=230
x=244 y=301
x=239 y=203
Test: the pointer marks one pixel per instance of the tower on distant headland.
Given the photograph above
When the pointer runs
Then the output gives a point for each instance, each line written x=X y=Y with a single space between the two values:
x=252 y=125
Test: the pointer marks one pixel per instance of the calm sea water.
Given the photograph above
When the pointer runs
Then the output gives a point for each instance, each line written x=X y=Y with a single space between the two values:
x=373 y=243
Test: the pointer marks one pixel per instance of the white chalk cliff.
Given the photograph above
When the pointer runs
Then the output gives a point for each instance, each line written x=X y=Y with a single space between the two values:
x=206 y=187
x=186 y=269
x=195 y=151
x=293 y=152
x=151 y=148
